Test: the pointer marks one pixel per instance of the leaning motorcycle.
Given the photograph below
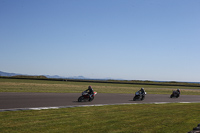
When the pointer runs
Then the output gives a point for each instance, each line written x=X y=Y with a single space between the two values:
x=139 y=96
x=175 y=94
x=85 y=97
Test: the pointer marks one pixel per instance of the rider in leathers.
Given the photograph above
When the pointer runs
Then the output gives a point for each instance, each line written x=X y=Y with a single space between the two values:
x=142 y=91
x=178 y=92
x=91 y=92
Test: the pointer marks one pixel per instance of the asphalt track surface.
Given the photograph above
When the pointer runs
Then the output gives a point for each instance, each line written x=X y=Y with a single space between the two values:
x=22 y=101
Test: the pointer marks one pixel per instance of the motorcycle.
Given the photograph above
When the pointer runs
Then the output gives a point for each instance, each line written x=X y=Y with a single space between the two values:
x=175 y=94
x=195 y=129
x=85 y=97
x=139 y=96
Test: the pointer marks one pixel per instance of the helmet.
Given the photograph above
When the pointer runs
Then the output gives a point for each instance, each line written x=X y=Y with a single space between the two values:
x=142 y=88
x=89 y=87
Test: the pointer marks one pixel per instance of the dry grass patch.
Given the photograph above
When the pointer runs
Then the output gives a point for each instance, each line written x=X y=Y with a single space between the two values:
x=20 y=85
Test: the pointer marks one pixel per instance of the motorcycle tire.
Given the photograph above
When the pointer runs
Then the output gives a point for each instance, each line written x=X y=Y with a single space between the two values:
x=142 y=98
x=171 y=96
x=90 y=99
x=134 y=98
x=196 y=128
x=80 y=99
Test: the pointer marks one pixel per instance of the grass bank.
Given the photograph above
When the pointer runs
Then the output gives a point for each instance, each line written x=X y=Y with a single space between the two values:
x=24 y=85
x=144 y=118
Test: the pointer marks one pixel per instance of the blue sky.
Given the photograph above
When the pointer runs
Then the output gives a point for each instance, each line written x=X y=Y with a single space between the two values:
x=119 y=39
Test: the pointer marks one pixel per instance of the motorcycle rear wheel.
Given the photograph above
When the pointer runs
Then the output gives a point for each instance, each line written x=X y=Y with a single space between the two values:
x=134 y=98
x=80 y=99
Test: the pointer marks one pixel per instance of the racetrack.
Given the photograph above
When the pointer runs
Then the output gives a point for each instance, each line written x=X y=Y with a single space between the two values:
x=12 y=101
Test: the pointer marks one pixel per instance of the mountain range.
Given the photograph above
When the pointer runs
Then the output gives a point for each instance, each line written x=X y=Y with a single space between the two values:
x=48 y=76
x=61 y=77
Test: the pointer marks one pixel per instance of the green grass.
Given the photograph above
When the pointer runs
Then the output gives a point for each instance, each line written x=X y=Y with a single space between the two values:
x=142 y=118
x=24 y=85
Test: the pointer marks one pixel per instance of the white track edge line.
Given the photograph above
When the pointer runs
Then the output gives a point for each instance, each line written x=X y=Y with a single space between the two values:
x=73 y=106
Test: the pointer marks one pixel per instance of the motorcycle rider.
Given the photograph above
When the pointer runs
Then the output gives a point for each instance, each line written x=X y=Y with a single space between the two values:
x=90 y=91
x=178 y=92
x=142 y=91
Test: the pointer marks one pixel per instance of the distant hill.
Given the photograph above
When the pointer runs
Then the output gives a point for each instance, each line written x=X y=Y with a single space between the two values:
x=8 y=74
x=48 y=76
x=106 y=80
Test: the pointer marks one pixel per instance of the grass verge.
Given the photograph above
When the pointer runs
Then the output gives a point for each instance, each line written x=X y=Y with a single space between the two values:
x=141 y=118
x=24 y=85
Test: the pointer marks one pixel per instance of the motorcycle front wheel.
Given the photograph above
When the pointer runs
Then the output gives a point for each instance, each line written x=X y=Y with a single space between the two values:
x=142 y=97
x=90 y=99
